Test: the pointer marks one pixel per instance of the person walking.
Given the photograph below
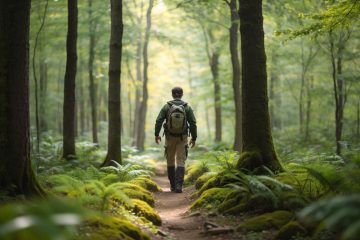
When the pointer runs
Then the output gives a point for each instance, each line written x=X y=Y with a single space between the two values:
x=179 y=120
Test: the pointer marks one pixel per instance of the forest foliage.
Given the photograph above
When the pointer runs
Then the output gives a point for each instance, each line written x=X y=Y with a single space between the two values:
x=312 y=54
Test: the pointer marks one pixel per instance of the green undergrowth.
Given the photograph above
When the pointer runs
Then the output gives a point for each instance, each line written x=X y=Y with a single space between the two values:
x=119 y=198
x=301 y=202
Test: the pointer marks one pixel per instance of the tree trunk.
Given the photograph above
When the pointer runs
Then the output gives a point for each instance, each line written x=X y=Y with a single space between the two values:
x=69 y=83
x=214 y=65
x=143 y=104
x=138 y=83
x=92 y=85
x=81 y=105
x=309 y=88
x=16 y=175
x=274 y=97
x=43 y=96
x=338 y=86
x=358 y=120
x=236 y=72
x=258 y=148
x=114 y=102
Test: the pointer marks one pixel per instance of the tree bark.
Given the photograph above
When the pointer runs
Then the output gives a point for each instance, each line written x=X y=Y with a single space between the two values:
x=214 y=65
x=358 y=120
x=338 y=84
x=69 y=83
x=138 y=82
x=274 y=97
x=258 y=147
x=309 y=88
x=81 y=106
x=143 y=104
x=114 y=101
x=43 y=96
x=236 y=72
x=16 y=175
x=92 y=85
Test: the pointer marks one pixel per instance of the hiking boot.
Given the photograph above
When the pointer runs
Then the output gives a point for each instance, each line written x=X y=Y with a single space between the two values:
x=171 y=177
x=180 y=171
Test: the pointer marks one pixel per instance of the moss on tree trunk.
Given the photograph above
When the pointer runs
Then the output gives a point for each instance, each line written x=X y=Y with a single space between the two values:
x=258 y=147
x=16 y=175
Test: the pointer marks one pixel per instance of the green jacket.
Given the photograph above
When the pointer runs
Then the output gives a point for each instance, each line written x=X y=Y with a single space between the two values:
x=190 y=117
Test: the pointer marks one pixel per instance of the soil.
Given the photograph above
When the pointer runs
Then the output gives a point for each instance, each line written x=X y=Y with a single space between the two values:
x=178 y=222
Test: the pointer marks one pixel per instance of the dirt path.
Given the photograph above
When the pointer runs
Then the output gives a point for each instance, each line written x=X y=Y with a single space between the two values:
x=178 y=223
x=173 y=208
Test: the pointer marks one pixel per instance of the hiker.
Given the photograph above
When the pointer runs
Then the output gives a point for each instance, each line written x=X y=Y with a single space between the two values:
x=179 y=119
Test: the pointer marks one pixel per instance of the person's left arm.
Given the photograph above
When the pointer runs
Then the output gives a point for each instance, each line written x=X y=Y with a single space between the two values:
x=192 y=126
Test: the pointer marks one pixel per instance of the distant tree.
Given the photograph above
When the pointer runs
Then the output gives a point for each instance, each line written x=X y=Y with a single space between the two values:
x=234 y=35
x=16 y=175
x=114 y=102
x=92 y=84
x=69 y=83
x=258 y=147
x=143 y=103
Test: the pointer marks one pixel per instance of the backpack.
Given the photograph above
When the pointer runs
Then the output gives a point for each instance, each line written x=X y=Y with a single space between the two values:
x=176 y=123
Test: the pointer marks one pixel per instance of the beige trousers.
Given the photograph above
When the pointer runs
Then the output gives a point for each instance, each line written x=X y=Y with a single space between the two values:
x=176 y=150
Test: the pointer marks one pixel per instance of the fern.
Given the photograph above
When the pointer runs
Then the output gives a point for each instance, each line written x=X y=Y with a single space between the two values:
x=106 y=193
x=339 y=214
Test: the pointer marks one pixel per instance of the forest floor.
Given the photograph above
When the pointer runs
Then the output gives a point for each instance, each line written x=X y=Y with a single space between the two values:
x=177 y=221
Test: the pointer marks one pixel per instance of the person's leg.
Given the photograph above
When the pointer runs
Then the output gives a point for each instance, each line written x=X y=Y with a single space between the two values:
x=181 y=155
x=170 y=151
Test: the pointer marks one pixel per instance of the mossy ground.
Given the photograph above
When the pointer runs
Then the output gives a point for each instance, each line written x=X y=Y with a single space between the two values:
x=143 y=209
x=274 y=220
x=110 y=227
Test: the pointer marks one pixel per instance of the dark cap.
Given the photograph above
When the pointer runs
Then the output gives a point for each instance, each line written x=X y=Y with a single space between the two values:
x=177 y=91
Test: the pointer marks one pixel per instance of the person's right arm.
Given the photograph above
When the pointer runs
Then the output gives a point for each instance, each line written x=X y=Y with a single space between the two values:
x=159 y=120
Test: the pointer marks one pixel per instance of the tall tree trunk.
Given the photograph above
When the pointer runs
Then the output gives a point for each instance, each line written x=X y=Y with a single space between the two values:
x=138 y=82
x=16 y=175
x=81 y=104
x=302 y=90
x=143 y=104
x=358 y=120
x=207 y=118
x=236 y=72
x=114 y=132
x=274 y=97
x=338 y=84
x=69 y=83
x=309 y=87
x=214 y=65
x=92 y=85
x=258 y=147
x=43 y=96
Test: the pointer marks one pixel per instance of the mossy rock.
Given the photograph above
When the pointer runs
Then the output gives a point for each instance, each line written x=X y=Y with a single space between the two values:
x=137 y=192
x=260 y=203
x=273 y=220
x=141 y=195
x=111 y=228
x=213 y=182
x=211 y=198
x=203 y=179
x=236 y=209
x=143 y=209
x=293 y=201
x=289 y=230
x=195 y=171
x=147 y=183
x=228 y=204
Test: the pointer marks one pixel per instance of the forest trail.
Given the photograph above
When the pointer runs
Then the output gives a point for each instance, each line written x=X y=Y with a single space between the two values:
x=177 y=222
x=173 y=210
